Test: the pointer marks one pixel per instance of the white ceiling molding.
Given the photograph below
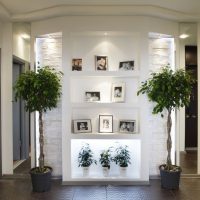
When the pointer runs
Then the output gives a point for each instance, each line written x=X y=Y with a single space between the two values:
x=152 y=11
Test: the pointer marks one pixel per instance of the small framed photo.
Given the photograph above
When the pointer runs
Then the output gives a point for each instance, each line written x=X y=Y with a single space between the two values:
x=118 y=92
x=126 y=65
x=127 y=126
x=76 y=64
x=92 y=96
x=105 y=123
x=101 y=63
x=82 y=126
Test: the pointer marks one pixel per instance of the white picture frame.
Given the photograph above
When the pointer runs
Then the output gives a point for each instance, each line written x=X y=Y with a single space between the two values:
x=118 y=92
x=127 y=65
x=105 y=123
x=127 y=126
x=82 y=126
x=92 y=96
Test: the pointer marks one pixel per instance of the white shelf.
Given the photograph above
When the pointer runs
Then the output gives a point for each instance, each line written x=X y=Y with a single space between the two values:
x=96 y=135
x=126 y=74
x=104 y=105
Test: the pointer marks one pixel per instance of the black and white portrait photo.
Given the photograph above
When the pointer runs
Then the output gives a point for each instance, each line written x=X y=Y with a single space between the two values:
x=118 y=92
x=126 y=65
x=92 y=96
x=127 y=126
x=82 y=126
x=105 y=123
x=76 y=64
x=101 y=63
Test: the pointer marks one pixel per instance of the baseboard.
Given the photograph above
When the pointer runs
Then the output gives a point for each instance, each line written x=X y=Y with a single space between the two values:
x=72 y=183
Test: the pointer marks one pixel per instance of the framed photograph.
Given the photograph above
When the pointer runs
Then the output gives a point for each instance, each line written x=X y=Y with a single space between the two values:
x=127 y=126
x=126 y=65
x=82 y=126
x=76 y=64
x=101 y=63
x=92 y=96
x=118 y=92
x=105 y=123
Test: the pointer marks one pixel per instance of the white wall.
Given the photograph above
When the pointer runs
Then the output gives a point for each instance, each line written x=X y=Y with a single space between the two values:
x=21 y=40
x=142 y=25
x=6 y=99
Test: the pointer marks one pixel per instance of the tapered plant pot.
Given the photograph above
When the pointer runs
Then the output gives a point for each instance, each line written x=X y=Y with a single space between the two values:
x=170 y=179
x=41 y=182
x=123 y=171
x=85 y=171
x=106 y=171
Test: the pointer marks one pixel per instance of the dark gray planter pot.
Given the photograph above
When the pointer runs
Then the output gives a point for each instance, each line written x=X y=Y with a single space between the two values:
x=169 y=179
x=41 y=182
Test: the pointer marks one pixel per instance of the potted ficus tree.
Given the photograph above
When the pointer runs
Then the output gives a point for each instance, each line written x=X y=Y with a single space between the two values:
x=169 y=90
x=41 y=91
x=105 y=160
x=122 y=158
x=86 y=158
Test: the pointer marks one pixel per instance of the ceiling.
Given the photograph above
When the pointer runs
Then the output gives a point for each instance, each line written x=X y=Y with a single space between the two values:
x=29 y=10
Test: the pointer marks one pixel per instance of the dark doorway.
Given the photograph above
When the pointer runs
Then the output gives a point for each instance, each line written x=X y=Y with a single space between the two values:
x=191 y=115
x=21 y=122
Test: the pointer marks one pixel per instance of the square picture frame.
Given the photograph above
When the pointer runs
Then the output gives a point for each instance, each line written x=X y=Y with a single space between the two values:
x=126 y=65
x=77 y=64
x=92 y=96
x=82 y=126
x=101 y=63
x=118 y=92
x=105 y=123
x=127 y=126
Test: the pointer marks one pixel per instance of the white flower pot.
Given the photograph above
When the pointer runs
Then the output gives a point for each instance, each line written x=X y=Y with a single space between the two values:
x=106 y=171
x=123 y=171
x=85 y=171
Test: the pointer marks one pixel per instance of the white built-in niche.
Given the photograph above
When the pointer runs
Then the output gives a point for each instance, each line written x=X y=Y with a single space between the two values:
x=118 y=47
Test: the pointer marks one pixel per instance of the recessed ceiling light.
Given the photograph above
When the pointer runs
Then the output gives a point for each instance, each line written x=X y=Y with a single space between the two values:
x=183 y=36
x=25 y=36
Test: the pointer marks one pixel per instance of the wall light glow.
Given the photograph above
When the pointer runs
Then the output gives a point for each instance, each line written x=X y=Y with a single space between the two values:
x=183 y=36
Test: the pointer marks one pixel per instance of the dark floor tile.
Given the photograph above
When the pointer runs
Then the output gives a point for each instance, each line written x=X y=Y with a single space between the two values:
x=90 y=193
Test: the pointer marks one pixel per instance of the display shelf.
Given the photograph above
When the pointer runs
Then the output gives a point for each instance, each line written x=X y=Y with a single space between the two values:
x=125 y=74
x=97 y=135
x=104 y=105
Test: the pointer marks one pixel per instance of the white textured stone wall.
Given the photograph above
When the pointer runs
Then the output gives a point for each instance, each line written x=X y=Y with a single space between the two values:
x=49 y=52
x=160 y=54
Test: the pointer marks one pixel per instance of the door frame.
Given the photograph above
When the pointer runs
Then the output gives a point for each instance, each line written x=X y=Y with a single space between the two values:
x=0 y=123
x=25 y=119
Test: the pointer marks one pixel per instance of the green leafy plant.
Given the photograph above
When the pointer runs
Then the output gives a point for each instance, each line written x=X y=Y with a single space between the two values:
x=106 y=158
x=41 y=91
x=85 y=157
x=169 y=90
x=122 y=156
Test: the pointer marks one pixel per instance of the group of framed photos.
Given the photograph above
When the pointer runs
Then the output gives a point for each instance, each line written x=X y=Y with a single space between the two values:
x=101 y=64
x=105 y=125
x=118 y=94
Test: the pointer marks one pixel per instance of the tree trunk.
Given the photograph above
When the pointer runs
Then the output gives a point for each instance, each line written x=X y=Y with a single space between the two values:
x=41 y=139
x=169 y=140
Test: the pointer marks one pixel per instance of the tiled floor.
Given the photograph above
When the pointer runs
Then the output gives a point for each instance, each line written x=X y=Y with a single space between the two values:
x=20 y=189
x=188 y=162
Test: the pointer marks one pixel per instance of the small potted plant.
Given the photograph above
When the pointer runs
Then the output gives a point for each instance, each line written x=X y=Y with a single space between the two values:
x=122 y=158
x=105 y=160
x=169 y=90
x=41 y=91
x=86 y=159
